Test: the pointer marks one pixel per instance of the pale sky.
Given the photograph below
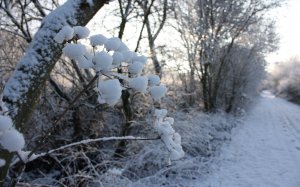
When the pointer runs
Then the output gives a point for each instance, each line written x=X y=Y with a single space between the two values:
x=288 y=28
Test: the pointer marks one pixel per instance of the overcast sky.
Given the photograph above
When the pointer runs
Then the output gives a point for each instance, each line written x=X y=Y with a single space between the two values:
x=288 y=27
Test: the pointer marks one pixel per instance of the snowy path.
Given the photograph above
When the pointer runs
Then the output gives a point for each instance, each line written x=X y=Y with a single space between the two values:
x=264 y=151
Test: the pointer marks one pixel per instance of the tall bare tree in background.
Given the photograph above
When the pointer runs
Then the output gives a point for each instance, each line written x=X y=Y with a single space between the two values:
x=210 y=29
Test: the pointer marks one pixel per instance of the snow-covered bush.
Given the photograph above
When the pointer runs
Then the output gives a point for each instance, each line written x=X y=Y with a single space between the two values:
x=284 y=79
x=103 y=59
x=171 y=139
x=106 y=60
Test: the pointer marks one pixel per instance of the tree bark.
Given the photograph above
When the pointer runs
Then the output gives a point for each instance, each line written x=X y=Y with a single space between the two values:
x=23 y=89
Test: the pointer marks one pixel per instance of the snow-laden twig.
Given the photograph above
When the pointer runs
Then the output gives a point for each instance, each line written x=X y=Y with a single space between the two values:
x=26 y=156
x=170 y=138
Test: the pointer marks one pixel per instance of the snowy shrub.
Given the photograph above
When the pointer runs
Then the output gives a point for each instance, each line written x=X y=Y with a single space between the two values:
x=103 y=63
x=171 y=139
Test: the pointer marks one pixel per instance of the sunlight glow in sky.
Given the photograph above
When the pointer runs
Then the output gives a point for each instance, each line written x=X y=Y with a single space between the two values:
x=288 y=28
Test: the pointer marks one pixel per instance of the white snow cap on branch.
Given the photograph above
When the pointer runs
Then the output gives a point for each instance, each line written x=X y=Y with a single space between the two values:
x=139 y=83
x=154 y=80
x=122 y=47
x=141 y=59
x=103 y=61
x=81 y=32
x=117 y=58
x=112 y=44
x=74 y=51
x=157 y=92
x=5 y=123
x=65 y=34
x=2 y=162
x=98 y=39
x=171 y=139
x=110 y=91
x=12 y=140
x=128 y=56
x=136 y=68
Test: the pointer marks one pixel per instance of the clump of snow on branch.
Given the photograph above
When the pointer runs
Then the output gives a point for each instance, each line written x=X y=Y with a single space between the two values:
x=136 y=68
x=98 y=40
x=81 y=32
x=139 y=83
x=171 y=139
x=10 y=139
x=2 y=162
x=65 y=34
x=103 y=61
x=117 y=58
x=157 y=92
x=114 y=55
x=74 y=51
x=5 y=123
x=154 y=80
x=110 y=91
x=112 y=44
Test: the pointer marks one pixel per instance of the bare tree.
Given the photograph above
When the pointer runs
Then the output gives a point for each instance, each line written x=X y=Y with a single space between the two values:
x=210 y=29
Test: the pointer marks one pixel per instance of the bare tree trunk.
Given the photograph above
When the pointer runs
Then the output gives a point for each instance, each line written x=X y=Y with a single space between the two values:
x=23 y=89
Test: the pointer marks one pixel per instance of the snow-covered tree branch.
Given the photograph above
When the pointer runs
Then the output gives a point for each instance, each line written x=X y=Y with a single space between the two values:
x=22 y=91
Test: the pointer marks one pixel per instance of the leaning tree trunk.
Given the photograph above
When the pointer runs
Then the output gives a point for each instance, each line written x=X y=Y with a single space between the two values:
x=23 y=89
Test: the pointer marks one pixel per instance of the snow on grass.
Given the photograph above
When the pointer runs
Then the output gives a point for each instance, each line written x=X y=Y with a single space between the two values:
x=201 y=137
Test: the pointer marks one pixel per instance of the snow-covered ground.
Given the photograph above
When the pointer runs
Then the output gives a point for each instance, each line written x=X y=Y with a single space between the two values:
x=264 y=151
